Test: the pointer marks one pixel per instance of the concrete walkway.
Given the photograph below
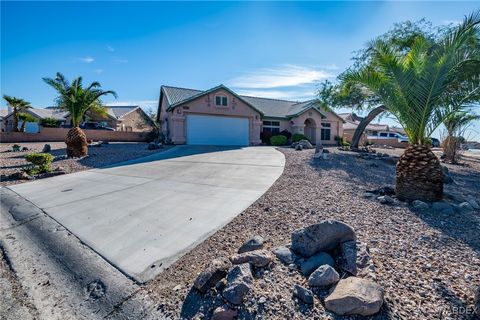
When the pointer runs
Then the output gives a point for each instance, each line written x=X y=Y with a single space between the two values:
x=142 y=215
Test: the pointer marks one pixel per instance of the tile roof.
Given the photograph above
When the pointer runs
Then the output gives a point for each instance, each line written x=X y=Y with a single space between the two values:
x=270 y=107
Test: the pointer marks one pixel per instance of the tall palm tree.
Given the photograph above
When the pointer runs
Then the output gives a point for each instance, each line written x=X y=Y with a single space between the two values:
x=77 y=100
x=17 y=105
x=411 y=85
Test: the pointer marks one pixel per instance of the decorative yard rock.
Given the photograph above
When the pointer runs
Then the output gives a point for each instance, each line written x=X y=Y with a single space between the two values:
x=212 y=274
x=299 y=147
x=315 y=261
x=465 y=206
x=385 y=200
x=224 y=313
x=153 y=146
x=384 y=191
x=251 y=244
x=258 y=258
x=325 y=235
x=239 y=282
x=354 y=258
x=46 y=148
x=305 y=144
x=303 y=294
x=368 y=195
x=442 y=207
x=284 y=254
x=21 y=175
x=323 y=276
x=446 y=175
x=473 y=202
x=420 y=205
x=355 y=296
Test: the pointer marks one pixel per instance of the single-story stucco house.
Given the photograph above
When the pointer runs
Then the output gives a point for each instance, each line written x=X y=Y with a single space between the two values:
x=219 y=116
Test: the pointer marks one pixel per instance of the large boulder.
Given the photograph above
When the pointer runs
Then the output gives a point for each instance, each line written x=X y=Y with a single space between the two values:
x=305 y=144
x=322 y=236
x=442 y=207
x=303 y=294
x=258 y=258
x=284 y=254
x=309 y=265
x=354 y=258
x=46 y=148
x=215 y=271
x=251 y=244
x=420 y=205
x=224 y=313
x=323 y=276
x=355 y=296
x=239 y=282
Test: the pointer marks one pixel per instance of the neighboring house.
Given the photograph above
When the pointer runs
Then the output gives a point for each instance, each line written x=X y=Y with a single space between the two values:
x=219 y=116
x=37 y=113
x=3 y=114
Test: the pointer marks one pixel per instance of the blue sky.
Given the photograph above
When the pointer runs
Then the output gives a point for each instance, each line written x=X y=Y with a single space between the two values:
x=270 y=49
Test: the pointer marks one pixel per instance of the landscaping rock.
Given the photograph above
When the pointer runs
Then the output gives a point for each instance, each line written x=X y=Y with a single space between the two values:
x=325 y=235
x=385 y=200
x=251 y=244
x=323 y=276
x=258 y=258
x=420 y=205
x=21 y=175
x=305 y=144
x=474 y=203
x=384 y=191
x=315 y=261
x=25 y=149
x=355 y=296
x=239 y=282
x=442 y=207
x=153 y=146
x=212 y=274
x=465 y=206
x=354 y=258
x=299 y=147
x=303 y=294
x=284 y=254
x=368 y=195
x=224 y=313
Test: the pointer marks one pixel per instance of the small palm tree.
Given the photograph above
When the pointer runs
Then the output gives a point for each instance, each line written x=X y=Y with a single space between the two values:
x=411 y=85
x=455 y=124
x=77 y=100
x=17 y=105
x=25 y=117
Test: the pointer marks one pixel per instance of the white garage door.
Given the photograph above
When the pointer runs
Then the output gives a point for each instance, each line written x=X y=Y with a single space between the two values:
x=222 y=131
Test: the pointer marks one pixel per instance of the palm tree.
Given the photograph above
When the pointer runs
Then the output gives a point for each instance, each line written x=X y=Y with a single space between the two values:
x=77 y=100
x=17 y=105
x=411 y=84
x=456 y=123
x=25 y=117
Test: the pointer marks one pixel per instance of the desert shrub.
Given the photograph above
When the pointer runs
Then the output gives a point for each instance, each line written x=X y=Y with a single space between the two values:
x=286 y=133
x=278 y=140
x=42 y=162
x=155 y=135
x=50 y=123
x=265 y=136
x=298 y=136
x=15 y=148
x=341 y=141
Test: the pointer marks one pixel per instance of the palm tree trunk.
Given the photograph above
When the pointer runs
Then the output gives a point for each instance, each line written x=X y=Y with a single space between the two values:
x=24 y=124
x=15 y=119
x=76 y=141
x=419 y=175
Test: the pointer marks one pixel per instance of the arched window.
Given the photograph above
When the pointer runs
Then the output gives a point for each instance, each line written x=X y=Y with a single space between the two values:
x=221 y=100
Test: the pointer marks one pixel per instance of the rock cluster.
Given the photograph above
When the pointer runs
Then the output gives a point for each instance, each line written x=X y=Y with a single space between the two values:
x=329 y=256
x=302 y=144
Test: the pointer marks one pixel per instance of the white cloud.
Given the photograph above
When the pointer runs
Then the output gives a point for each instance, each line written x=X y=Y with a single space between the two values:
x=331 y=66
x=98 y=71
x=454 y=22
x=283 y=76
x=111 y=49
x=87 y=59
x=119 y=60
x=141 y=103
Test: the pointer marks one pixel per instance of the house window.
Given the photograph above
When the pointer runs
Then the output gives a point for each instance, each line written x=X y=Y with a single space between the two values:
x=271 y=126
x=326 y=131
x=221 y=100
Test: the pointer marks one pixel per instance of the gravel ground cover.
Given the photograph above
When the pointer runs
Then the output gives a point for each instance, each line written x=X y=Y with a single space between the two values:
x=114 y=152
x=428 y=263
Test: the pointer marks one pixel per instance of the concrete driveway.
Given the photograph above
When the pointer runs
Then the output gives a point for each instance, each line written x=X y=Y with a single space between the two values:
x=142 y=215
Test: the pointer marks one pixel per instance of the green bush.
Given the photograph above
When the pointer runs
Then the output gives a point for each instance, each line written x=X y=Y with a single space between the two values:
x=42 y=162
x=279 y=140
x=50 y=123
x=298 y=136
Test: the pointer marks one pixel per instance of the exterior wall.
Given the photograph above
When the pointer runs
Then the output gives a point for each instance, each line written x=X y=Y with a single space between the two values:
x=135 y=121
x=2 y=125
x=388 y=142
x=205 y=105
x=348 y=136
x=336 y=128
x=59 y=134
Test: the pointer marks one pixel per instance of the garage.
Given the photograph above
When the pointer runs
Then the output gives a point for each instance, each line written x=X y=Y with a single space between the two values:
x=217 y=130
